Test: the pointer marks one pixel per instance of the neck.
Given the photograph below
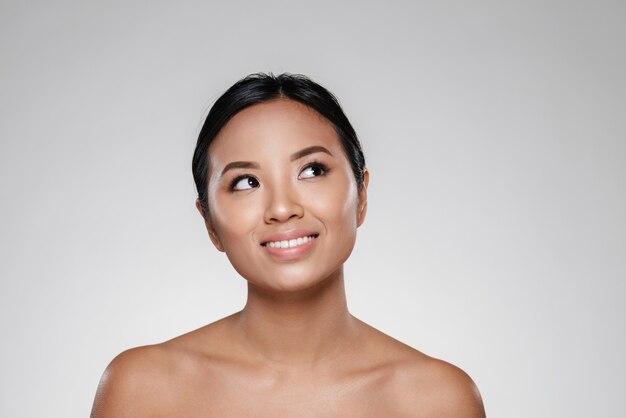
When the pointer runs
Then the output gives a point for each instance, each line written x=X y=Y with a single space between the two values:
x=298 y=329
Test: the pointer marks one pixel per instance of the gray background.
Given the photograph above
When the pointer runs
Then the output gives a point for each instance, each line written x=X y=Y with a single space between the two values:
x=495 y=133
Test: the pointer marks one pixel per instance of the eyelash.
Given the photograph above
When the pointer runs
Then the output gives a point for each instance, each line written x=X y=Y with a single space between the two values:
x=237 y=179
x=314 y=164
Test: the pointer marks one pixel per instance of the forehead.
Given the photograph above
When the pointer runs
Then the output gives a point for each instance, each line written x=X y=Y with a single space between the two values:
x=271 y=129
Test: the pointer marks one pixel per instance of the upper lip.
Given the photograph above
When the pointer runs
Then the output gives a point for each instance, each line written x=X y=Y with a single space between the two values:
x=288 y=235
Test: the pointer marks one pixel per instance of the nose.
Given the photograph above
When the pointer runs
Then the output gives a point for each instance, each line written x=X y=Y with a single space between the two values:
x=282 y=206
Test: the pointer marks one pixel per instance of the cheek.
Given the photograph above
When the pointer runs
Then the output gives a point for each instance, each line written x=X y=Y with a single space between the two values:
x=337 y=206
x=346 y=203
x=233 y=220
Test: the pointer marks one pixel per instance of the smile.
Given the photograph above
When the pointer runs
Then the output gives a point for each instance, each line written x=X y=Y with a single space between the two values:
x=290 y=243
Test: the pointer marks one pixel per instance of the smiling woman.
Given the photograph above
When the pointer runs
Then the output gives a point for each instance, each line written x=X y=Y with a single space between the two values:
x=282 y=188
x=290 y=180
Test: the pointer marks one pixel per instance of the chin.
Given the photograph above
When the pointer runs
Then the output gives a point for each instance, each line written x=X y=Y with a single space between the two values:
x=292 y=282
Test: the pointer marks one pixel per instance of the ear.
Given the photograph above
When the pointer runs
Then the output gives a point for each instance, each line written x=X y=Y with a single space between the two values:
x=362 y=205
x=209 y=227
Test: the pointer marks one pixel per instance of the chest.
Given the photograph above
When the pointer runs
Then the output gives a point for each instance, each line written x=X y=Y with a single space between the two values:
x=229 y=398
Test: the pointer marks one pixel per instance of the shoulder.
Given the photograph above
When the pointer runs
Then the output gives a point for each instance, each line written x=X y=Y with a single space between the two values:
x=417 y=384
x=149 y=380
x=437 y=388
x=132 y=381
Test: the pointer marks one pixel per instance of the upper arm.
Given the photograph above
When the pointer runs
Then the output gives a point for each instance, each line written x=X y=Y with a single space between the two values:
x=460 y=397
x=442 y=390
x=129 y=385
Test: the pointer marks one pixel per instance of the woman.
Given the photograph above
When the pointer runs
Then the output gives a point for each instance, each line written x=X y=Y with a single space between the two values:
x=282 y=188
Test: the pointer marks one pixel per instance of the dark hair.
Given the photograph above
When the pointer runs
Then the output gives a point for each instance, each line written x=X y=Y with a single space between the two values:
x=259 y=88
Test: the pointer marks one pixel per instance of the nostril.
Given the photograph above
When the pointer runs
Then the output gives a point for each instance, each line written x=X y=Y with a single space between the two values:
x=282 y=211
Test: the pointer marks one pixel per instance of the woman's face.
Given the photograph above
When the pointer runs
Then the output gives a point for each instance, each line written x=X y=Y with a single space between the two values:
x=283 y=201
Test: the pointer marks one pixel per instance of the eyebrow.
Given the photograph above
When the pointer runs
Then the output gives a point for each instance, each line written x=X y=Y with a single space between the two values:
x=309 y=150
x=295 y=156
x=239 y=164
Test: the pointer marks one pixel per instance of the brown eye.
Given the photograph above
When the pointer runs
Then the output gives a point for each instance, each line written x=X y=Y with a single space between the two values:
x=244 y=183
x=313 y=170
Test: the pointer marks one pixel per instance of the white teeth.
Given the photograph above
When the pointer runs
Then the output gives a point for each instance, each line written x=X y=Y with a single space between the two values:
x=291 y=243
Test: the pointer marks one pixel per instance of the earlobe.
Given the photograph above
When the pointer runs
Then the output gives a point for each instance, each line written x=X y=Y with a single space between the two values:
x=362 y=212
x=199 y=207
x=214 y=238
x=209 y=227
x=362 y=206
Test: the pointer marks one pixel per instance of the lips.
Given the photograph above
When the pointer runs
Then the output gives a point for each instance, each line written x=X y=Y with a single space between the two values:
x=289 y=239
x=290 y=246
x=295 y=242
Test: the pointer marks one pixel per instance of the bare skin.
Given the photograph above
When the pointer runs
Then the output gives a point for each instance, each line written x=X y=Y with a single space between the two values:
x=294 y=350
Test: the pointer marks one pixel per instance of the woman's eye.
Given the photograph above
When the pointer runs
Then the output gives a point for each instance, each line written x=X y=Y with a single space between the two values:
x=313 y=170
x=244 y=183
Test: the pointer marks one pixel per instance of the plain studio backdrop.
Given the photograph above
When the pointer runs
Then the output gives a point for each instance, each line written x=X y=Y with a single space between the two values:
x=495 y=133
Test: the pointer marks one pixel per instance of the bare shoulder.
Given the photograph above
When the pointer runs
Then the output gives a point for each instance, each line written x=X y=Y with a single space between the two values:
x=438 y=389
x=132 y=381
x=420 y=385
x=149 y=380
